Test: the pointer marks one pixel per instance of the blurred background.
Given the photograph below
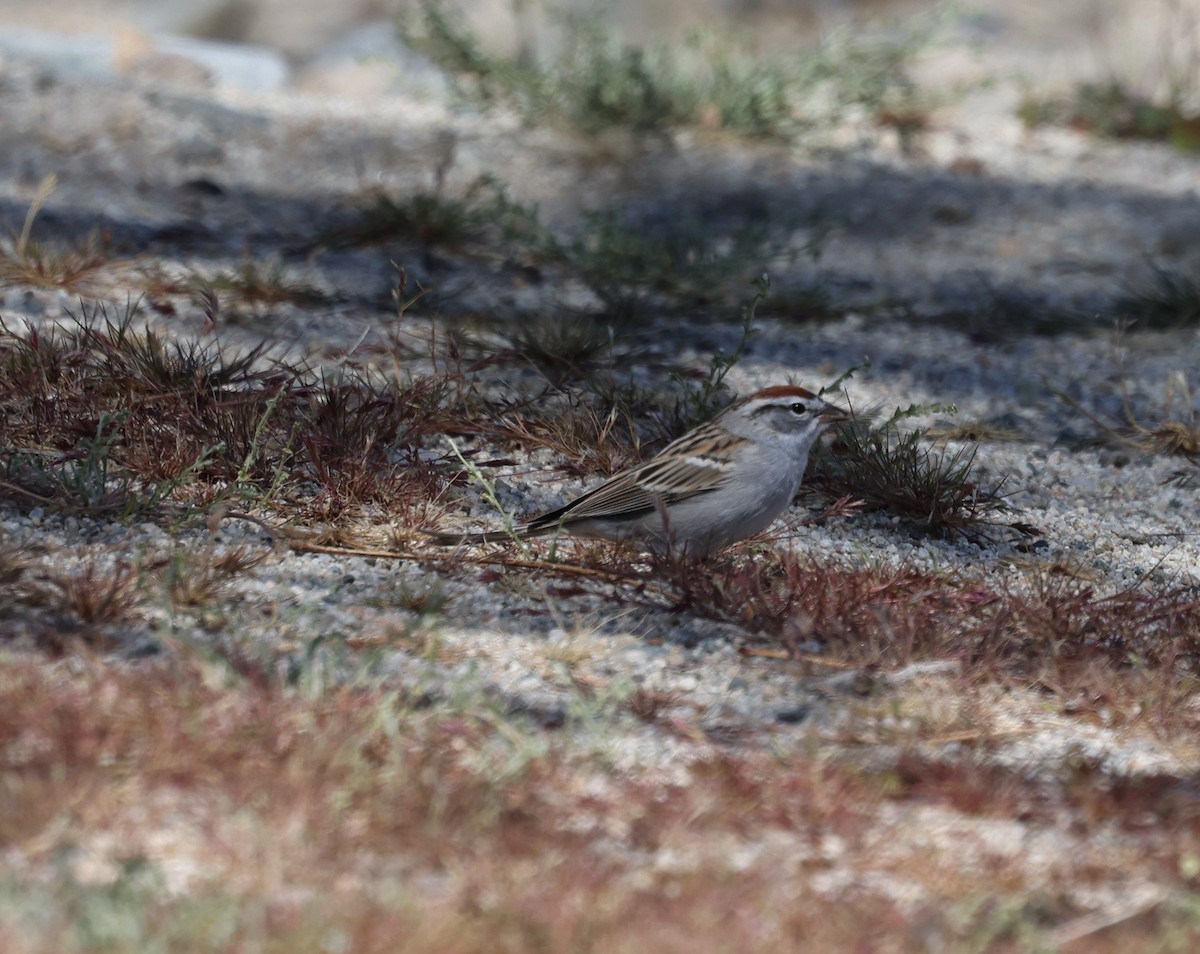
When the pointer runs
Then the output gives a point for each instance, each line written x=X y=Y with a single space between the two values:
x=351 y=47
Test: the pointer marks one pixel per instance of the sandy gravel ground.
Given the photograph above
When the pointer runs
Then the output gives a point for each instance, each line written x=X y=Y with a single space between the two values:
x=184 y=172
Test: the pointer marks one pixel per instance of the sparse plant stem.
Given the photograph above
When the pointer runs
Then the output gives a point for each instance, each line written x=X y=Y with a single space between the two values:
x=44 y=190
x=488 y=489
x=256 y=445
x=702 y=402
x=836 y=385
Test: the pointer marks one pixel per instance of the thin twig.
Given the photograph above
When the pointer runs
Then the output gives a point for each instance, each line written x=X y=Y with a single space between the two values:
x=304 y=543
x=1098 y=921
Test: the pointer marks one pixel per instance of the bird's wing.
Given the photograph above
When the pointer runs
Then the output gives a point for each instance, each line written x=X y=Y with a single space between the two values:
x=663 y=480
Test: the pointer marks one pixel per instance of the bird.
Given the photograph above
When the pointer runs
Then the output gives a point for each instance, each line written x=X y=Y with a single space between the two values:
x=721 y=482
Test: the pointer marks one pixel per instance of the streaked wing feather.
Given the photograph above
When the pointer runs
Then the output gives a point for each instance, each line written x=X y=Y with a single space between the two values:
x=676 y=478
x=621 y=496
x=634 y=493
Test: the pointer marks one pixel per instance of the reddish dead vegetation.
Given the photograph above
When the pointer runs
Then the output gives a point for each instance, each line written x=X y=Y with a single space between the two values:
x=357 y=787
x=1145 y=803
x=28 y=262
x=588 y=437
x=109 y=418
x=407 y=828
x=106 y=403
x=1163 y=810
x=62 y=609
x=1053 y=631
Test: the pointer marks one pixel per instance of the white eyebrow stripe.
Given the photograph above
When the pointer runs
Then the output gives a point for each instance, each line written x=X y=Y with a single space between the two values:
x=754 y=407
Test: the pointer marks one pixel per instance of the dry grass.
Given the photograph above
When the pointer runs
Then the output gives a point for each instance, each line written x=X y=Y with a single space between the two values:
x=107 y=418
x=26 y=261
x=56 y=610
x=1176 y=432
x=590 y=437
x=479 y=216
x=896 y=470
x=31 y=262
x=94 y=593
x=196 y=577
x=263 y=283
x=1135 y=652
x=238 y=815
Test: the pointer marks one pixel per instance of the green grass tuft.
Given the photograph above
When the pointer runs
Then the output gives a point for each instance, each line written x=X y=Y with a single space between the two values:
x=596 y=80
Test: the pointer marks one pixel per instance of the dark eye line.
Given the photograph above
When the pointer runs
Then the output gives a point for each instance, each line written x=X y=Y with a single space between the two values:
x=796 y=407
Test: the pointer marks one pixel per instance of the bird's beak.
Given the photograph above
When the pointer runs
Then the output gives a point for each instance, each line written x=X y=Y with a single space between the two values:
x=833 y=415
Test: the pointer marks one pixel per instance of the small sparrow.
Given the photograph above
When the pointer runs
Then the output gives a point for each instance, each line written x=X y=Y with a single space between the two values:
x=721 y=482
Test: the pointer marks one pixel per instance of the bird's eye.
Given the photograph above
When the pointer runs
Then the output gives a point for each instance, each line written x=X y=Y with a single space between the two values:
x=798 y=408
